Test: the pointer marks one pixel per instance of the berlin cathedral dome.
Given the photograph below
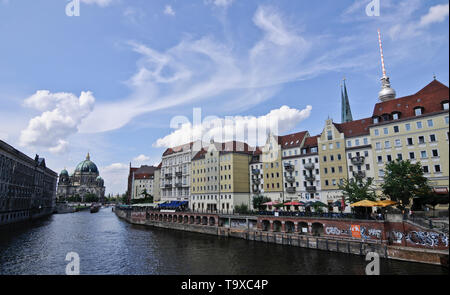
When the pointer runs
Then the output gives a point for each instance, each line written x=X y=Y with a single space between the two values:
x=84 y=181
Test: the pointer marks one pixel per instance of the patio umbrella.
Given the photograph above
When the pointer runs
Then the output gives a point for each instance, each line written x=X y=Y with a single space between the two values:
x=364 y=203
x=294 y=203
x=386 y=203
x=271 y=203
x=320 y=204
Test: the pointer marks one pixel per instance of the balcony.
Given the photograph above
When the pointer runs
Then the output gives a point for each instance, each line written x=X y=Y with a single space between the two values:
x=256 y=171
x=291 y=190
x=359 y=174
x=309 y=166
x=179 y=174
x=310 y=177
x=168 y=176
x=168 y=186
x=311 y=189
x=256 y=181
x=358 y=161
x=178 y=184
x=255 y=189
x=290 y=179
x=289 y=167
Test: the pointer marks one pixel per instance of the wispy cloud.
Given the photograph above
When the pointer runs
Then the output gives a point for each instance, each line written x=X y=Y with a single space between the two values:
x=101 y=3
x=204 y=69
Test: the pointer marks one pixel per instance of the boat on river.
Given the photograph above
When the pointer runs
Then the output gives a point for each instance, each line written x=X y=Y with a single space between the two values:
x=95 y=208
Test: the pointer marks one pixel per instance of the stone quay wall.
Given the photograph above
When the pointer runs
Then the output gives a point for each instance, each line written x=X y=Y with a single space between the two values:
x=391 y=240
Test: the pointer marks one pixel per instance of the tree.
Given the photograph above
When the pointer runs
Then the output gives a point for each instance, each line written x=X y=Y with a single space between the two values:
x=404 y=181
x=241 y=209
x=358 y=189
x=91 y=198
x=258 y=202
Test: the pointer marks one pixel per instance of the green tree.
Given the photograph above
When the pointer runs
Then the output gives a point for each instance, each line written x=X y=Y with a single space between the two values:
x=241 y=209
x=91 y=198
x=404 y=181
x=258 y=202
x=358 y=189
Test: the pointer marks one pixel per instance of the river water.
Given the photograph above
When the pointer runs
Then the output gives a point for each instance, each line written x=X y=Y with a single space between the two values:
x=108 y=245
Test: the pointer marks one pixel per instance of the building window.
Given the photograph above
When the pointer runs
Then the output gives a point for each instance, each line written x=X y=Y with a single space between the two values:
x=380 y=159
x=419 y=125
x=418 y=111
x=389 y=158
x=338 y=145
x=430 y=123
x=329 y=135
x=326 y=182
x=408 y=127
x=412 y=155
x=445 y=105
x=376 y=132
x=395 y=116
x=398 y=142
x=349 y=143
x=385 y=131
x=381 y=173
x=423 y=154
x=437 y=168
x=375 y=120
x=356 y=142
x=435 y=153
x=446 y=120
x=387 y=144
x=378 y=145
x=432 y=138
x=396 y=129
x=366 y=141
x=324 y=158
x=409 y=141
x=421 y=140
x=425 y=169
x=399 y=157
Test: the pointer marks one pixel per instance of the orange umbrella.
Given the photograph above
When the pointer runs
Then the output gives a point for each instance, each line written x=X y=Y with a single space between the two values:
x=364 y=203
x=386 y=203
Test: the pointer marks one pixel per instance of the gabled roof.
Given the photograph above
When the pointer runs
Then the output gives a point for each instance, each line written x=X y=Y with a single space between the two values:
x=145 y=170
x=200 y=155
x=311 y=141
x=178 y=149
x=354 y=128
x=429 y=98
x=291 y=140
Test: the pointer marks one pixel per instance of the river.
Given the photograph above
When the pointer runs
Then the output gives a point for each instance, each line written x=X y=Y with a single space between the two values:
x=108 y=245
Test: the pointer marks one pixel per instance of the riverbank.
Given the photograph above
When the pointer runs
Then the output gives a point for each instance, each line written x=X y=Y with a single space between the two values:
x=253 y=233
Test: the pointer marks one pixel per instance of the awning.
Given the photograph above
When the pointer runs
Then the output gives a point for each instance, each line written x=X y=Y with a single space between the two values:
x=364 y=203
x=440 y=190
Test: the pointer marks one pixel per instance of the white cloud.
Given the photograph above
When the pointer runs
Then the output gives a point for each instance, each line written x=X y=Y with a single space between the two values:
x=141 y=158
x=61 y=115
x=101 y=3
x=223 y=3
x=436 y=14
x=249 y=129
x=169 y=10
x=116 y=177
x=205 y=69
x=3 y=136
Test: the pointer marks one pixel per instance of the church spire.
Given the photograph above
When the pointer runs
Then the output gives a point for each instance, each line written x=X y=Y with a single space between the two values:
x=346 y=114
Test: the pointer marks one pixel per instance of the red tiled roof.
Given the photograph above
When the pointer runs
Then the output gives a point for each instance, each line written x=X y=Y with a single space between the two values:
x=236 y=146
x=311 y=141
x=178 y=149
x=430 y=98
x=292 y=140
x=159 y=166
x=355 y=128
x=199 y=155
x=143 y=176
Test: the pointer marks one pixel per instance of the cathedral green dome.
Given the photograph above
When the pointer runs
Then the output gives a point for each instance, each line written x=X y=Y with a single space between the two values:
x=64 y=172
x=87 y=166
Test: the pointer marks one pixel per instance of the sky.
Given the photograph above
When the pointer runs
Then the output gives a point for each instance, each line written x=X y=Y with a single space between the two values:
x=124 y=80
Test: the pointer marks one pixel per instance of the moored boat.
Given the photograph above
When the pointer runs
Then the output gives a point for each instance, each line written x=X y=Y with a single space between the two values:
x=95 y=208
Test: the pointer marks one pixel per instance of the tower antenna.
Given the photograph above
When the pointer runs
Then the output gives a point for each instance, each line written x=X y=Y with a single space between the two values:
x=386 y=93
x=381 y=52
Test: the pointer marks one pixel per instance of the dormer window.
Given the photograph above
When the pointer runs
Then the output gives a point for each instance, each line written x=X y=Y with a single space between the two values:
x=418 y=111
x=376 y=120
x=386 y=117
x=395 y=116
x=445 y=105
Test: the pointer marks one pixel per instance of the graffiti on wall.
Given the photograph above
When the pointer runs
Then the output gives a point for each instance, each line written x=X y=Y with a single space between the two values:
x=332 y=230
x=397 y=237
x=430 y=239
x=370 y=233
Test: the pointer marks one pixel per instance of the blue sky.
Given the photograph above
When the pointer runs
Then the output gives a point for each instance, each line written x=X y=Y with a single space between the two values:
x=111 y=80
